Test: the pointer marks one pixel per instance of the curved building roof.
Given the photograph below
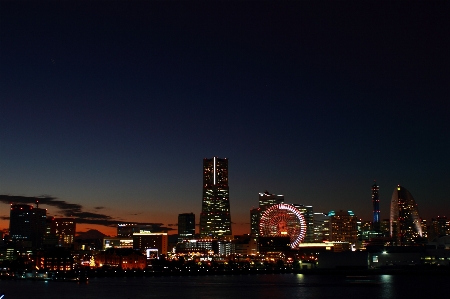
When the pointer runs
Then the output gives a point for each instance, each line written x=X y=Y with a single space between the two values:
x=405 y=223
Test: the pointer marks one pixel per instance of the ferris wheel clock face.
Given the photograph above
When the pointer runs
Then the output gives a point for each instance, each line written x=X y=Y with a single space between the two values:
x=283 y=220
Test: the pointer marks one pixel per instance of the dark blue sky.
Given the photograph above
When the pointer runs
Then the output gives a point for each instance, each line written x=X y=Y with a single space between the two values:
x=113 y=105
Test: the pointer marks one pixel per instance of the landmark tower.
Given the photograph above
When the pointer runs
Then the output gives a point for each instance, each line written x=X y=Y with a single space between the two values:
x=215 y=219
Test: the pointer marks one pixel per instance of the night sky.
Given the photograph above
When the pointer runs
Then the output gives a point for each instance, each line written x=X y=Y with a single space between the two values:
x=108 y=108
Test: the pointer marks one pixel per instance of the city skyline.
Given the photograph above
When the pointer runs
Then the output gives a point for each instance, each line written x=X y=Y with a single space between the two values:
x=107 y=110
x=109 y=225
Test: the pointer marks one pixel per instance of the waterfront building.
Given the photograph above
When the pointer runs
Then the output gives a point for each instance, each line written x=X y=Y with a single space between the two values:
x=56 y=259
x=27 y=225
x=439 y=227
x=321 y=227
x=376 y=225
x=128 y=229
x=198 y=246
x=215 y=218
x=343 y=226
x=151 y=244
x=117 y=242
x=186 y=226
x=245 y=244
x=405 y=224
x=122 y=258
x=274 y=244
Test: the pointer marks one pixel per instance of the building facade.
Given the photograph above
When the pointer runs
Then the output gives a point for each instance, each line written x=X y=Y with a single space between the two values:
x=27 y=225
x=151 y=244
x=64 y=229
x=405 y=224
x=308 y=213
x=343 y=226
x=376 y=208
x=439 y=227
x=128 y=229
x=186 y=226
x=215 y=218
x=321 y=227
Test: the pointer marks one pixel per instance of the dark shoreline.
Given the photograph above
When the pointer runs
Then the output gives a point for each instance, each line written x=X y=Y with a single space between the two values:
x=84 y=274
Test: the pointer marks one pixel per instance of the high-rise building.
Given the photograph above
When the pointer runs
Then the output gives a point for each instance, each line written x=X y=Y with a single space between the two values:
x=440 y=227
x=255 y=216
x=64 y=228
x=343 y=226
x=266 y=200
x=27 y=224
x=308 y=214
x=321 y=227
x=186 y=226
x=385 y=228
x=215 y=219
x=405 y=224
x=376 y=208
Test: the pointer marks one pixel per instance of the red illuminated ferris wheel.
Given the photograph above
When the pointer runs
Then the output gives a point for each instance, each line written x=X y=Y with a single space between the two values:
x=283 y=220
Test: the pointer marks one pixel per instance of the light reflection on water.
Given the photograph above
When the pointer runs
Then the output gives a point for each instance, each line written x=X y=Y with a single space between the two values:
x=277 y=286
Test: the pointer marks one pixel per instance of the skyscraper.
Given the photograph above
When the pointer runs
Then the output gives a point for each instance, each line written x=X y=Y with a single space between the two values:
x=27 y=224
x=376 y=208
x=405 y=224
x=186 y=226
x=321 y=227
x=343 y=226
x=215 y=219
x=65 y=229
x=266 y=200
x=308 y=213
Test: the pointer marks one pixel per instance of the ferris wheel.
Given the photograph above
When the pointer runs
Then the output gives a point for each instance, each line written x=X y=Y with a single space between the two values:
x=283 y=220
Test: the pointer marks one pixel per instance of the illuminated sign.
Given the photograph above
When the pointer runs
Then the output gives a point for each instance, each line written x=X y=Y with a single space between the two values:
x=152 y=253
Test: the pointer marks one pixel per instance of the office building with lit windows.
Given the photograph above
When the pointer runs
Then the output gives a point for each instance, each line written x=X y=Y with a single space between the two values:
x=439 y=227
x=215 y=219
x=321 y=227
x=405 y=224
x=151 y=244
x=64 y=229
x=27 y=225
x=376 y=225
x=186 y=226
x=343 y=226
x=308 y=214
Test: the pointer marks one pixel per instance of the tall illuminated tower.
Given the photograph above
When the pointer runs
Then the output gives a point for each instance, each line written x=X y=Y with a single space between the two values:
x=215 y=219
x=376 y=207
x=405 y=222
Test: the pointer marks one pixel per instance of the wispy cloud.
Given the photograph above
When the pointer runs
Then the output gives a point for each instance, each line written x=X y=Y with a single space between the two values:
x=67 y=209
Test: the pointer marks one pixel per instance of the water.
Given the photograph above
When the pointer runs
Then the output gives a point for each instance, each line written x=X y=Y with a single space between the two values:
x=278 y=286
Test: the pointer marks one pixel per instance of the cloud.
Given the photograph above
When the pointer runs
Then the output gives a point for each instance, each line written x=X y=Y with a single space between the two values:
x=68 y=210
